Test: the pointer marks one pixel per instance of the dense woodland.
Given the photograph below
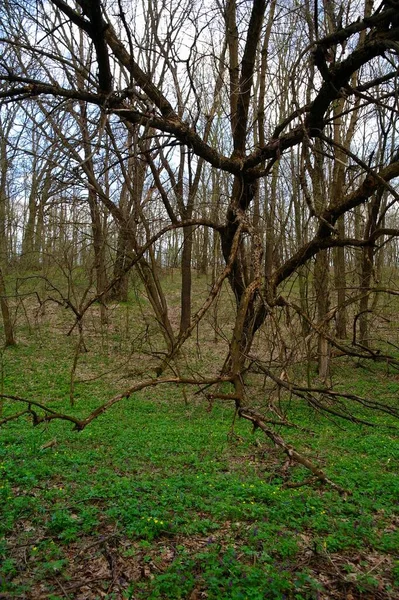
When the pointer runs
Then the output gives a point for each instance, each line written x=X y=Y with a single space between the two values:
x=254 y=144
x=198 y=201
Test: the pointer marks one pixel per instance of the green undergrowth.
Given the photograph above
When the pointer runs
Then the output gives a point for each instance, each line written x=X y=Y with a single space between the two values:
x=162 y=472
x=186 y=506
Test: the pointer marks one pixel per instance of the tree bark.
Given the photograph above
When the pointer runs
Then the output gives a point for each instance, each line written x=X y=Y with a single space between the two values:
x=5 y=311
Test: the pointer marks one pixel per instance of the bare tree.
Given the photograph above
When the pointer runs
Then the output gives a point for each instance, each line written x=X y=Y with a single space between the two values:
x=152 y=79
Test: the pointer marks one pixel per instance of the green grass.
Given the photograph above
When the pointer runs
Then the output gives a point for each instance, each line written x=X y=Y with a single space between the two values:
x=156 y=499
x=191 y=509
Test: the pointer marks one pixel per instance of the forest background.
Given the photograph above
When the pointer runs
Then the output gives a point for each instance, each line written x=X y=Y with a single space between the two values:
x=199 y=229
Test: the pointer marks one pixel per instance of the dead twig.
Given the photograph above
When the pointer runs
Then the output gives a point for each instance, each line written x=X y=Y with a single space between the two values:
x=258 y=422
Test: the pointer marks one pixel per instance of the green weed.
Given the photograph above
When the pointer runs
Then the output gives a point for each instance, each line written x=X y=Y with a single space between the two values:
x=161 y=486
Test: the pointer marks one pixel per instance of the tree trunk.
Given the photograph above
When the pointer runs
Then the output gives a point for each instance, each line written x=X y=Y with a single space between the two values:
x=120 y=289
x=321 y=270
x=186 y=279
x=340 y=283
x=367 y=272
x=5 y=311
x=321 y=285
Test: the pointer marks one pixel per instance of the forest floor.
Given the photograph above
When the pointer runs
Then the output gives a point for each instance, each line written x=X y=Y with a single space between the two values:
x=162 y=497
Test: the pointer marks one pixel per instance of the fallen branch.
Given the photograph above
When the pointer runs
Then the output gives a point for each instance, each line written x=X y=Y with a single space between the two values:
x=80 y=424
x=14 y=417
x=308 y=394
x=258 y=422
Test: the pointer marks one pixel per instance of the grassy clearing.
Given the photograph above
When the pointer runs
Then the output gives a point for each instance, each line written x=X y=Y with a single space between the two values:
x=155 y=501
x=160 y=499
